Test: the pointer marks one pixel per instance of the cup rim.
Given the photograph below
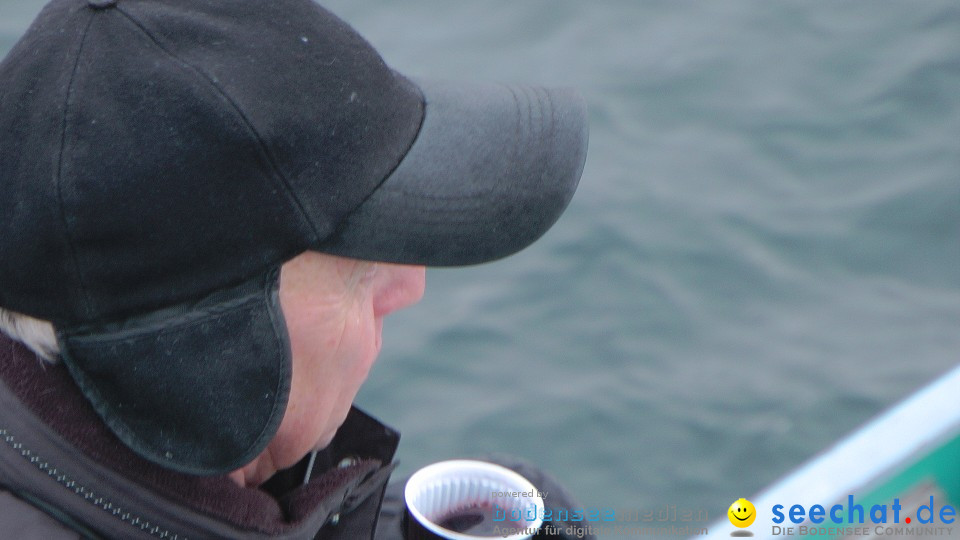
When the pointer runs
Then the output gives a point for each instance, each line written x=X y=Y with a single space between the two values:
x=517 y=481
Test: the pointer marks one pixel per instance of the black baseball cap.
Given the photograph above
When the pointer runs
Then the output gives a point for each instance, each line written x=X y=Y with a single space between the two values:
x=160 y=159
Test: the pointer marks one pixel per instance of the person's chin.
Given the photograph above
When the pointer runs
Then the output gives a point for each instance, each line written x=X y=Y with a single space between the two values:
x=324 y=441
x=341 y=415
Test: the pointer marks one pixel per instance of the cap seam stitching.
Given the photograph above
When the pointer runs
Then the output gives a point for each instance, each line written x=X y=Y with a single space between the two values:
x=553 y=120
x=518 y=123
x=166 y=327
x=266 y=155
x=344 y=222
x=413 y=141
x=85 y=298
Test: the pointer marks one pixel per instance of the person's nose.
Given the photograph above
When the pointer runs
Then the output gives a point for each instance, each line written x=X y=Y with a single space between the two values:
x=397 y=286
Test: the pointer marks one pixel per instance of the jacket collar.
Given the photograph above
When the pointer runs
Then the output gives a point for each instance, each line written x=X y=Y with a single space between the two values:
x=43 y=406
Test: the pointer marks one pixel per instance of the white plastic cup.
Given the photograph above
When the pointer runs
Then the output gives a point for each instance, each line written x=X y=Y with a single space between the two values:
x=478 y=499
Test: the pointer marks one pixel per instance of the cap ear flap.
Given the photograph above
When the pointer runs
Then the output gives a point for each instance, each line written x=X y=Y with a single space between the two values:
x=199 y=389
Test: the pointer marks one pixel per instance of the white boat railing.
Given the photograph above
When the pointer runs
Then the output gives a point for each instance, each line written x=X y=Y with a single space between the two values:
x=907 y=431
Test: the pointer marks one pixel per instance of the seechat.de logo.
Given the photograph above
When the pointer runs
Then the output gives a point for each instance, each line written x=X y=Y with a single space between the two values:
x=852 y=512
x=854 y=520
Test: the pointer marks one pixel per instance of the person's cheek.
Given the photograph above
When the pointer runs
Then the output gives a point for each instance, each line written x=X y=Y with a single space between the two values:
x=359 y=345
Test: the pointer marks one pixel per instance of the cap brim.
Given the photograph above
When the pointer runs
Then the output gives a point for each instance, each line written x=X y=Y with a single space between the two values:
x=198 y=388
x=492 y=168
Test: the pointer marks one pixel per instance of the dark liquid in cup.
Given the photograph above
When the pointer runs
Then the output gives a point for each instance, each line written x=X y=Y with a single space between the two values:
x=478 y=521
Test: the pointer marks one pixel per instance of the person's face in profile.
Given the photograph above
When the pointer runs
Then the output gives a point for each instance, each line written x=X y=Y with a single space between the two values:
x=334 y=309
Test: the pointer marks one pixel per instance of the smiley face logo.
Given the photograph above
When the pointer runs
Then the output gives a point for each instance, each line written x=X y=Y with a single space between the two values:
x=742 y=513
